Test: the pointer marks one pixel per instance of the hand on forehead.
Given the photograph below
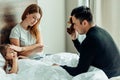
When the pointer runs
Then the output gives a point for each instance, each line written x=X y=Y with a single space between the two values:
x=9 y=48
x=71 y=19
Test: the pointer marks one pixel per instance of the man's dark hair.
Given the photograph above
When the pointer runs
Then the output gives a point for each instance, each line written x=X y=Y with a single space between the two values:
x=82 y=13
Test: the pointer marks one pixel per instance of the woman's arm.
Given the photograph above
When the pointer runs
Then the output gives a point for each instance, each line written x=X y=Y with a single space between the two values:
x=17 y=47
x=27 y=50
x=30 y=52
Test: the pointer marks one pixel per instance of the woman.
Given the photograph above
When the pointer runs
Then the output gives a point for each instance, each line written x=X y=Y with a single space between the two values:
x=10 y=57
x=26 y=35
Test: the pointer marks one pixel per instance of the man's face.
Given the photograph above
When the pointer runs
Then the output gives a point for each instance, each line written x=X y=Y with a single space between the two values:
x=79 y=27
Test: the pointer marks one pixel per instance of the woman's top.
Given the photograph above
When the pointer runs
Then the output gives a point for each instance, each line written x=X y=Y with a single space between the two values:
x=26 y=39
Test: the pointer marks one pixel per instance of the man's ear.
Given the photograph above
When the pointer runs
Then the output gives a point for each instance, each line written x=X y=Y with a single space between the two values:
x=84 y=22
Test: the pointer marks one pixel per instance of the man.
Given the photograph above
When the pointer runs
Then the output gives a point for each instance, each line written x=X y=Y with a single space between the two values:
x=98 y=48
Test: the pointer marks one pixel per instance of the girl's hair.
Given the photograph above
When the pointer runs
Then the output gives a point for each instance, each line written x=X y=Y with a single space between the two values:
x=33 y=8
x=3 y=49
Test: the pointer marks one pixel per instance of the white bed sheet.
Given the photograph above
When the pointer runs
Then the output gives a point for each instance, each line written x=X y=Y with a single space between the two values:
x=42 y=69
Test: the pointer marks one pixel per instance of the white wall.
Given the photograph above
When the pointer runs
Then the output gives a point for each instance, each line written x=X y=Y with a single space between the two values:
x=111 y=18
x=70 y=4
x=53 y=25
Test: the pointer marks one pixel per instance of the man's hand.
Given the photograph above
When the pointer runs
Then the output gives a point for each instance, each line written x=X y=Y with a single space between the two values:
x=74 y=35
x=55 y=64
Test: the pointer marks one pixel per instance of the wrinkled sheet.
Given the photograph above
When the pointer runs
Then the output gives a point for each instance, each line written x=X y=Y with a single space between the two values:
x=43 y=70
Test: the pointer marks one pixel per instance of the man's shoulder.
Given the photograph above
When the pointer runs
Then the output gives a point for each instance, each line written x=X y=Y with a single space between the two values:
x=95 y=33
x=97 y=30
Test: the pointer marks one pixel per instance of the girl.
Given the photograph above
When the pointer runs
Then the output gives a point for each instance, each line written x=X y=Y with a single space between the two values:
x=10 y=57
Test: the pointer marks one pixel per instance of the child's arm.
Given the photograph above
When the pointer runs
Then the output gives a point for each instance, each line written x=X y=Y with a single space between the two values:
x=14 y=68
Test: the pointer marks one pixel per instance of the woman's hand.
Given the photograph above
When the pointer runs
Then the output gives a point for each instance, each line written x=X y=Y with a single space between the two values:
x=16 y=48
x=38 y=49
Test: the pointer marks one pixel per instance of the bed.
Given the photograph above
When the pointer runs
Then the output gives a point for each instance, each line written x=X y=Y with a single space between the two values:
x=42 y=69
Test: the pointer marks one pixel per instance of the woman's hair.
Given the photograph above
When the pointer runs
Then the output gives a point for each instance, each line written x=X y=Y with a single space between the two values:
x=82 y=13
x=33 y=8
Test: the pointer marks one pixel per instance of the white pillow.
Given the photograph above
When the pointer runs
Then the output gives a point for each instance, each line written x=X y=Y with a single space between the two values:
x=2 y=60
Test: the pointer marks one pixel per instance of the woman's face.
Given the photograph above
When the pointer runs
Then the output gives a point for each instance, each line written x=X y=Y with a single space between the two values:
x=10 y=53
x=32 y=19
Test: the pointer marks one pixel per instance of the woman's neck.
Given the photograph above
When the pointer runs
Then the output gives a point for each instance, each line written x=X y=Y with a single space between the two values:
x=24 y=25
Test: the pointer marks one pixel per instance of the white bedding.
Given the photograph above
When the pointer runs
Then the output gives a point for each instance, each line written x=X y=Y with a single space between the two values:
x=43 y=70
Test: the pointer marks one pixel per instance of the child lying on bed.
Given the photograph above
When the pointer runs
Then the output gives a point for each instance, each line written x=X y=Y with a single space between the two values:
x=11 y=58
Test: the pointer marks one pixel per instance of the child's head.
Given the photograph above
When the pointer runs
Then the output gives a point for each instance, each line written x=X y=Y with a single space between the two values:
x=6 y=51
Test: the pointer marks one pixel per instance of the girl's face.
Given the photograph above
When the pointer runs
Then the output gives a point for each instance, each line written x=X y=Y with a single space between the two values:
x=32 y=19
x=10 y=53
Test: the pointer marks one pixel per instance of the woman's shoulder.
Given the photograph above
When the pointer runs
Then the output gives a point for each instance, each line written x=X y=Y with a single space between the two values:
x=16 y=28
